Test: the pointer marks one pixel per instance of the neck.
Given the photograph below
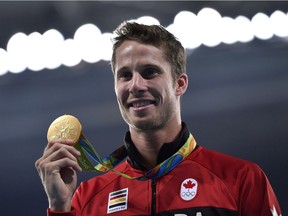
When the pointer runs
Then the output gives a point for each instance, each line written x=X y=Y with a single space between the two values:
x=148 y=143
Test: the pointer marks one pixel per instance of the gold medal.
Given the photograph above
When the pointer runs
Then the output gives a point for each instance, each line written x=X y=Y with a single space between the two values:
x=65 y=127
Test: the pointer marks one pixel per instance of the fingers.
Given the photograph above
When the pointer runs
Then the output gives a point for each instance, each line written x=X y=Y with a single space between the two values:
x=62 y=146
x=61 y=141
x=58 y=154
x=57 y=168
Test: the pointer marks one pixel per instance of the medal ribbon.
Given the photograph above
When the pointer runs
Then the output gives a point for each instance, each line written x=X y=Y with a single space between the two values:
x=89 y=157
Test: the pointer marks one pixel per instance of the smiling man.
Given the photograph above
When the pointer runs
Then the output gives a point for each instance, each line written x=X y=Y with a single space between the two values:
x=175 y=176
x=148 y=97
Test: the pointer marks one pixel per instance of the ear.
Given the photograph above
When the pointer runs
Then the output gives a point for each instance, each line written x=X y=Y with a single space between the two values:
x=181 y=84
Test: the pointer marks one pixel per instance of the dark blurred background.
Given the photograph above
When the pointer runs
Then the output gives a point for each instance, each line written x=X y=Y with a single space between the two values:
x=236 y=103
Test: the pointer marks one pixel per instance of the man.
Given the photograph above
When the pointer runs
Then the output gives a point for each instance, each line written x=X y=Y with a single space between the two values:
x=148 y=64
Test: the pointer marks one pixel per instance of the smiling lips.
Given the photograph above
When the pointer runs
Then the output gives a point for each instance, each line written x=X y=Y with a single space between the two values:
x=141 y=103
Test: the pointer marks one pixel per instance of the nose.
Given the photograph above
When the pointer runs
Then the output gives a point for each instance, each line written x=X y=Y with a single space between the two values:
x=137 y=84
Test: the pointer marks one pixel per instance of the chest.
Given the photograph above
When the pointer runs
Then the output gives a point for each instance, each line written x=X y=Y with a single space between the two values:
x=187 y=190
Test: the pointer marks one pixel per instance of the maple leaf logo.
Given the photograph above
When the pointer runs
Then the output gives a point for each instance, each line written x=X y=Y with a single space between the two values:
x=188 y=189
x=189 y=185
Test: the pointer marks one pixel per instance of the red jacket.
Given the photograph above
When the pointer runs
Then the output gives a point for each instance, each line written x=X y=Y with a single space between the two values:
x=206 y=183
x=220 y=184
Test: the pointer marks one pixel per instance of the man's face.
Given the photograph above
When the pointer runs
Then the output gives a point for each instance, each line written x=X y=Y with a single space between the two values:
x=144 y=86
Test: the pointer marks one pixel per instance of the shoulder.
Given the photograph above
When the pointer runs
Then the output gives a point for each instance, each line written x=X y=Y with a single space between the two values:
x=245 y=180
x=214 y=158
x=241 y=177
x=224 y=165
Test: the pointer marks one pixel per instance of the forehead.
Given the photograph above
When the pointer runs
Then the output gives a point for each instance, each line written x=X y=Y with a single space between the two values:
x=132 y=52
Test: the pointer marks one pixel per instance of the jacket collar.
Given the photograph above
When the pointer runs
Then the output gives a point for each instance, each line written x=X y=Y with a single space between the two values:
x=167 y=149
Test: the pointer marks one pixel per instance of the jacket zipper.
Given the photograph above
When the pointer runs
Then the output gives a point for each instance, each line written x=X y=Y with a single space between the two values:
x=153 y=205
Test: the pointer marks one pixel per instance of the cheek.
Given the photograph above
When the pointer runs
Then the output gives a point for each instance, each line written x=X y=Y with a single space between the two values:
x=120 y=93
x=169 y=90
x=117 y=88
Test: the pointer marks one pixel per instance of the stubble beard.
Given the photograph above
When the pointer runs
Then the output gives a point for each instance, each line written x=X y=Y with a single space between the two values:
x=153 y=123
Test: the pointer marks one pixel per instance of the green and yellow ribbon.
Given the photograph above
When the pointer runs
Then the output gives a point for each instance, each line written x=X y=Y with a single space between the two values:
x=90 y=160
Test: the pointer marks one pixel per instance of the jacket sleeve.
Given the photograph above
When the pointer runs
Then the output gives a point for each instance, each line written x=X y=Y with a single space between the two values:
x=256 y=195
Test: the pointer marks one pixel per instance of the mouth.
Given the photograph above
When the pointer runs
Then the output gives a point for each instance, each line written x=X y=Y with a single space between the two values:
x=141 y=103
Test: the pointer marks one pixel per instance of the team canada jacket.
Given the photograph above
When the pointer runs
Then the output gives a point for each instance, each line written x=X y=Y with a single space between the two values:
x=205 y=183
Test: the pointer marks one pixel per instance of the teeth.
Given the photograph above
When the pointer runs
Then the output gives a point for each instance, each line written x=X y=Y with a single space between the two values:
x=141 y=103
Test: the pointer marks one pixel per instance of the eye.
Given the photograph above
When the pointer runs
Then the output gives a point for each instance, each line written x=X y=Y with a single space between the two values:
x=149 y=72
x=124 y=75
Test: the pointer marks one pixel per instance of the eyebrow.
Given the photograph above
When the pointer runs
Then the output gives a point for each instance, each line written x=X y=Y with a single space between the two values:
x=149 y=65
x=125 y=68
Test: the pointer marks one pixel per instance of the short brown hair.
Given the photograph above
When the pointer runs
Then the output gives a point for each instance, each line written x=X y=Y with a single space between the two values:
x=155 y=35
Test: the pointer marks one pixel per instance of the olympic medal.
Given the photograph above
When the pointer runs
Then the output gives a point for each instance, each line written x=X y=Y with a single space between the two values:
x=65 y=127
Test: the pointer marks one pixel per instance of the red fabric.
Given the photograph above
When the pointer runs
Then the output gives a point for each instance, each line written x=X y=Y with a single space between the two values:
x=225 y=183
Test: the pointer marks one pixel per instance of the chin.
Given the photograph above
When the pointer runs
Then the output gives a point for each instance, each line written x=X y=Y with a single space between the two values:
x=146 y=125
